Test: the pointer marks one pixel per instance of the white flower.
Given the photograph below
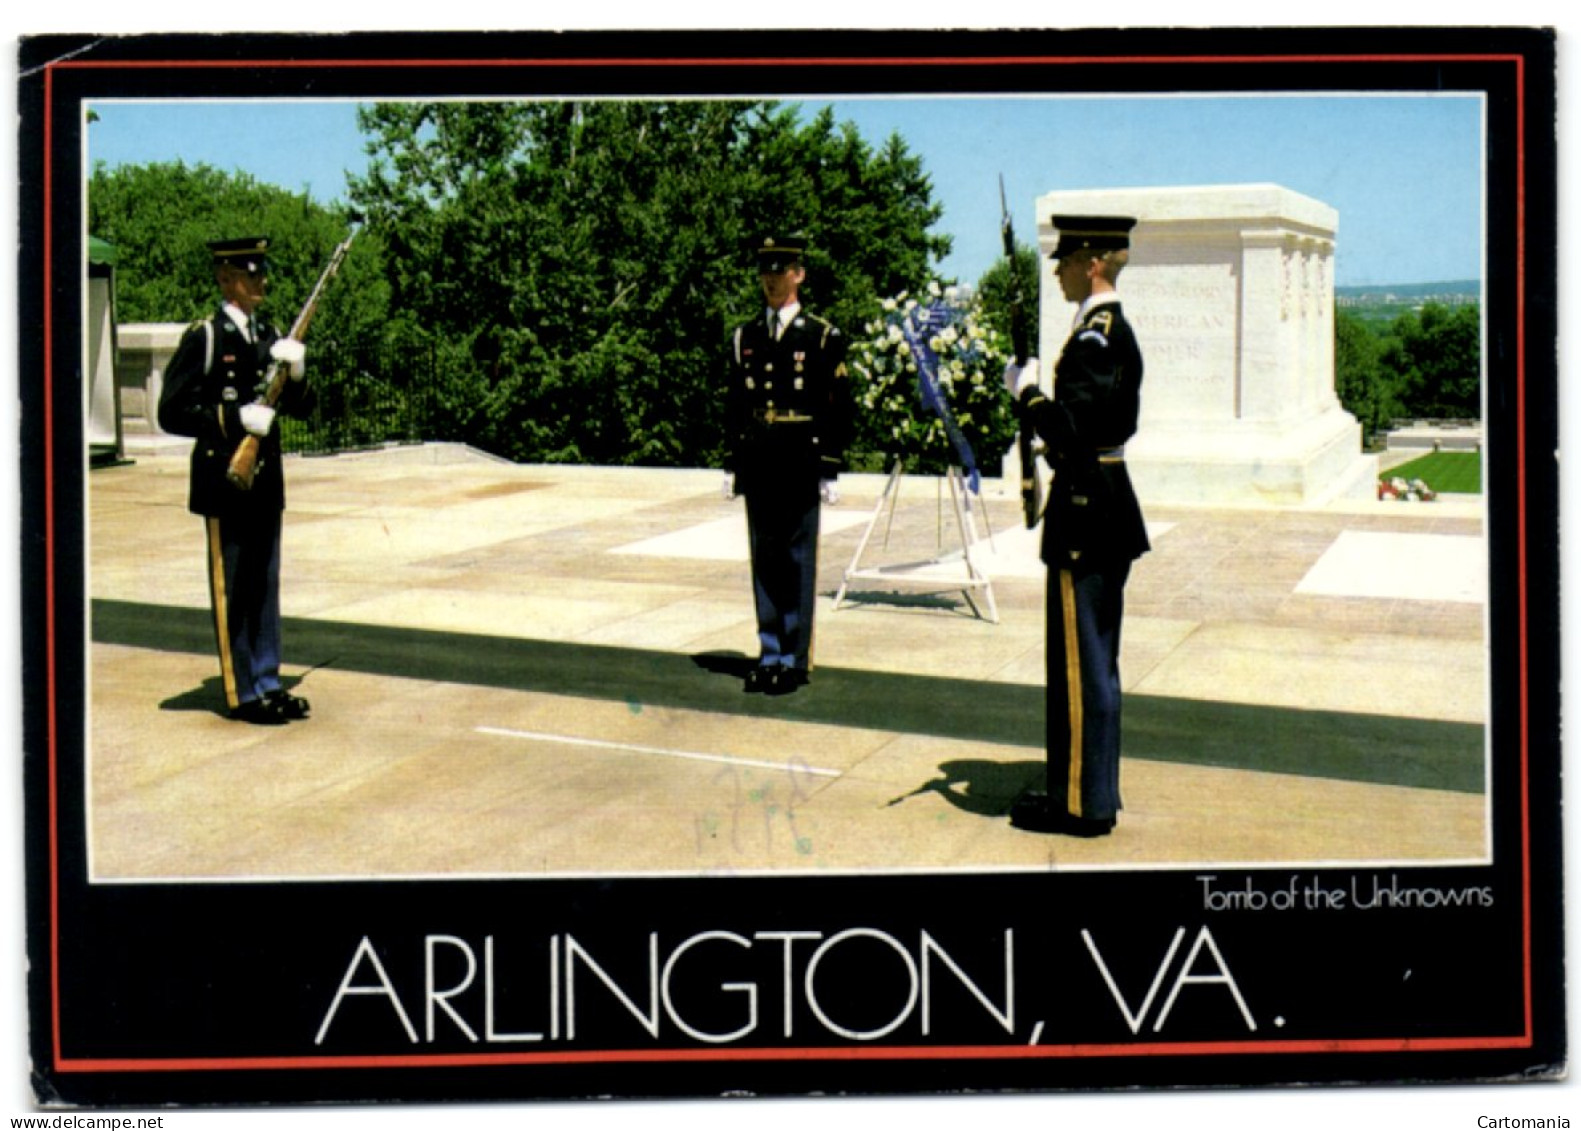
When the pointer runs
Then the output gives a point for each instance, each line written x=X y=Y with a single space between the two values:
x=889 y=304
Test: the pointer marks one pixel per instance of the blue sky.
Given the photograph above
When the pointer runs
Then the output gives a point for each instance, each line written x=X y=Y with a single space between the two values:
x=1404 y=172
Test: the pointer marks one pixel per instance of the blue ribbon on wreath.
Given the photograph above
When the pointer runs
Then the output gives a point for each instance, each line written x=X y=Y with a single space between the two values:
x=923 y=324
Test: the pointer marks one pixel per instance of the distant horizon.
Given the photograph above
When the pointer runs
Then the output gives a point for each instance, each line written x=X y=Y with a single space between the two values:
x=1451 y=285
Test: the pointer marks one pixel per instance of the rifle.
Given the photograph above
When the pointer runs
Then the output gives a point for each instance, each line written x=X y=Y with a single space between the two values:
x=1031 y=485
x=244 y=461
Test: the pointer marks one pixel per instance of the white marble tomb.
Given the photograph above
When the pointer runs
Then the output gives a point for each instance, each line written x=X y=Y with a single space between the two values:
x=1230 y=289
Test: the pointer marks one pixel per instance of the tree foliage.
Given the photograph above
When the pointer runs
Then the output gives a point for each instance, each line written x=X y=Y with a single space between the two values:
x=1360 y=382
x=577 y=265
x=1436 y=355
x=161 y=217
x=1003 y=281
x=1425 y=364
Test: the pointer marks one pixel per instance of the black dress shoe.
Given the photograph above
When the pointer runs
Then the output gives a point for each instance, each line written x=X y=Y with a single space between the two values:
x=259 y=712
x=1035 y=812
x=288 y=705
x=758 y=680
x=785 y=681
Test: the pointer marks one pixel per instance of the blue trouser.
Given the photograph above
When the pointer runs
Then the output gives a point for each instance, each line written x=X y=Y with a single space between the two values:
x=244 y=592
x=782 y=534
x=1084 y=609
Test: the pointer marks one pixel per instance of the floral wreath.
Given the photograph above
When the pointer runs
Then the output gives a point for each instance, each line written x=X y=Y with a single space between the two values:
x=927 y=378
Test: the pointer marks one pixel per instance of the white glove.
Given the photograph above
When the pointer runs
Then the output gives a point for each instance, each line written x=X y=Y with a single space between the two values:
x=727 y=489
x=257 y=418
x=828 y=492
x=1020 y=378
x=292 y=354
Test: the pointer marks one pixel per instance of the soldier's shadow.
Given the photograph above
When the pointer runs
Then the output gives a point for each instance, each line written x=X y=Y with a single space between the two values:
x=734 y=664
x=980 y=787
x=210 y=696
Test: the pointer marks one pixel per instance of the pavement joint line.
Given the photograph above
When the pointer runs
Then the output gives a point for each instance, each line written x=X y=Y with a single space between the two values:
x=636 y=748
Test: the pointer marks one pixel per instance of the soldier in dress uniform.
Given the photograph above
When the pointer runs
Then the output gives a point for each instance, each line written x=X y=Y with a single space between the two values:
x=788 y=420
x=1092 y=530
x=211 y=390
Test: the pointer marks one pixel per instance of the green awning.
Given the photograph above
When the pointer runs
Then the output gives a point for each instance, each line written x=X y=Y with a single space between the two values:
x=100 y=251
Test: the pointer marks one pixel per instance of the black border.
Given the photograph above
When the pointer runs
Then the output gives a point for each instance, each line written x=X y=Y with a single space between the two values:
x=107 y=1032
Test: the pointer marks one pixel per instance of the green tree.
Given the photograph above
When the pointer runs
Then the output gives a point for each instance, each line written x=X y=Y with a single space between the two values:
x=1436 y=354
x=577 y=265
x=1365 y=388
x=161 y=216
x=1005 y=279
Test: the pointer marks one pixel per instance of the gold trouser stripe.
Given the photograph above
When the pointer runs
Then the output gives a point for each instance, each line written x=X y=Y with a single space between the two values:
x=219 y=601
x=1067 y=593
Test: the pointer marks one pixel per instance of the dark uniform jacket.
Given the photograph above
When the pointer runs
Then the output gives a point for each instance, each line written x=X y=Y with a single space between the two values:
x=788 y=404
x=214 y=372
x=1093 y=516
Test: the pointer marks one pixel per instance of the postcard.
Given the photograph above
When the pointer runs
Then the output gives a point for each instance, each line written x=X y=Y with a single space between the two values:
x=585 y=687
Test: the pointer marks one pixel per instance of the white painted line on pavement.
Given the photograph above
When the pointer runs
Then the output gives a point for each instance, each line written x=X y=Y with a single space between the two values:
x=633 y=748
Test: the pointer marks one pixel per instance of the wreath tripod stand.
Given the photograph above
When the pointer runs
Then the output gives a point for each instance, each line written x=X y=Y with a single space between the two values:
x=939 y=571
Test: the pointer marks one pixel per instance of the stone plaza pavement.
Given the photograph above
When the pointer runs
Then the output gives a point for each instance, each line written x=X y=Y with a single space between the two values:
x=535 y=670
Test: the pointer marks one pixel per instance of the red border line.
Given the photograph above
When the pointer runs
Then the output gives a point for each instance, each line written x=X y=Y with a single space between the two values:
x=865 y=1053
x=775 y=61
x=1020 y=1052
x=50 y=659
x=1520 y=536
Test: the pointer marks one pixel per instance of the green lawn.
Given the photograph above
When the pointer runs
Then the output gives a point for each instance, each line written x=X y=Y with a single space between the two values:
x=1456 y=473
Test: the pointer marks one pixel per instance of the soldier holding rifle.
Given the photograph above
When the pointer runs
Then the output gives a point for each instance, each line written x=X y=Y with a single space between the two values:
x=216 y=390
x=1092 y=531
